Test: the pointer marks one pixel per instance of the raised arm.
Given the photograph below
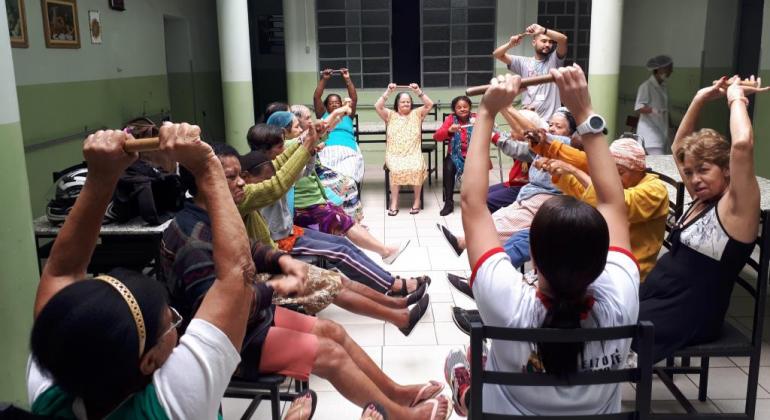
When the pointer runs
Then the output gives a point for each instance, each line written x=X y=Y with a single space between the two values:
x=351 y=90
x=573 y=89
x=427 y=103
x=227 y=303
x=72 y=249
x=739 y=208
x=318 y=103
x=501 y=52
x=480 y=233
x=379 y=106
x=559 y=38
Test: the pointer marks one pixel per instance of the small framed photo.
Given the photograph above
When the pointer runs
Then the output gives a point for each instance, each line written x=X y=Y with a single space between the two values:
x=118 y=5
x=60 y=23
x=17 y=23
x=95 y=26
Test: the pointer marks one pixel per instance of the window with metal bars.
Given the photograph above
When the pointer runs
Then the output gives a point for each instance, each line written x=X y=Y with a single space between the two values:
x=572 y=18
x=457 y=39
x=355 y=34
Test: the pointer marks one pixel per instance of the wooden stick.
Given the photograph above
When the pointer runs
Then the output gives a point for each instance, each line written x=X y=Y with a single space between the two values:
x=529 y=81
x=142 y=145
x=334 y=71
x=403 y=87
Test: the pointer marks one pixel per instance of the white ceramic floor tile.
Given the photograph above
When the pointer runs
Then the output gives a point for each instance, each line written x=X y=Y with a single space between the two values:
x=414 y=364
x=446 y=259
x=448 y=333
x=414 y=258
x=366 y=334
x=673 y=407
x=738 y=406
x=320 y=384
x=728 y=383
x=660 y=392
x=345 y=317
x=333 y=406
x=442 y=311
x=422 y=334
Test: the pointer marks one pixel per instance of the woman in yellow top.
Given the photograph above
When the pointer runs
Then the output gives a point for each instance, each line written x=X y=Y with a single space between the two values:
x=403 y=150
x=645 y=195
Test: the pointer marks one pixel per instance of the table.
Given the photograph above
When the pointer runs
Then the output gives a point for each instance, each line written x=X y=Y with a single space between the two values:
x=665 y=164
x=134 y=245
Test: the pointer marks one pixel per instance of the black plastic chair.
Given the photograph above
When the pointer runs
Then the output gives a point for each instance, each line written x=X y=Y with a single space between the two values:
x=641 y=375
x=267 y=387
x=733 y=342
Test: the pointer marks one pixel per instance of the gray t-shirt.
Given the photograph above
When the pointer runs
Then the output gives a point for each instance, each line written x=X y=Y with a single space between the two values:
x=543 y=98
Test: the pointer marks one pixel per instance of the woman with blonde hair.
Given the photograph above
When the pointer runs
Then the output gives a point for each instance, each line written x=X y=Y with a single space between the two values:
x=687 y=294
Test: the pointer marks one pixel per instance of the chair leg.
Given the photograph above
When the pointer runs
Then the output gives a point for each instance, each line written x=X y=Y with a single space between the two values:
x=704 y=379
x=430 y=169
x=387 y=189
x=275 y=403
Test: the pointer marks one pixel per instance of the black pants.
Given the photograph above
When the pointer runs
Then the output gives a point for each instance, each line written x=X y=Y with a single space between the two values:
x=449 y=179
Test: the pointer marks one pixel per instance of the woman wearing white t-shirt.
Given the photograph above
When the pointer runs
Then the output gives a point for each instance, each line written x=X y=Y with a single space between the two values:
x=580 y=284
x=107 y=347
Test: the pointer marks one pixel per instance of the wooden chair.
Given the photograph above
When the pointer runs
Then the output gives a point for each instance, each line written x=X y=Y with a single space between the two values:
x=733 y=342
x=641 y=375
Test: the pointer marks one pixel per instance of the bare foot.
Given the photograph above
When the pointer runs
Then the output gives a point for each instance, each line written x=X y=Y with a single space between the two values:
x=425 y=409
x=371 y=413
x=421 y=392
x=300 y=408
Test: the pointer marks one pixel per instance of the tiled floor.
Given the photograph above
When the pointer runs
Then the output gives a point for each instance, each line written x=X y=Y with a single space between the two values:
x=420 y=357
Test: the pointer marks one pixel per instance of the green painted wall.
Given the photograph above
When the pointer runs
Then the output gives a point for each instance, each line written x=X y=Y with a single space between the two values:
x=762 y=127
x=238 y=98
x=54 y=110
x=603 y=89
x=197 y=98
x=18 y=269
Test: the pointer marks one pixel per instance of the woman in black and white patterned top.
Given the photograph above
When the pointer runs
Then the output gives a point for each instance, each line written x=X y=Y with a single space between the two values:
x=687 y=293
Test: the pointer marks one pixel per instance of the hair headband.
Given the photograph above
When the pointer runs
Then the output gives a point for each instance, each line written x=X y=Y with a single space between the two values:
x=133 y=306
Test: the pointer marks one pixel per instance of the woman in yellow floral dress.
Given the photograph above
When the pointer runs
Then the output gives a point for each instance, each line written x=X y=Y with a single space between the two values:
x=403 y=150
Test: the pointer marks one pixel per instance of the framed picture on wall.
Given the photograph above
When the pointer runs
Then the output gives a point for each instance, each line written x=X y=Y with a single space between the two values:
x=118 y=5
x=17 y=23
x=95 y=25
x=60 y=23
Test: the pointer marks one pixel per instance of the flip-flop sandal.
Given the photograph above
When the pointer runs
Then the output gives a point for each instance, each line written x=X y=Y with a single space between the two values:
x=378 y=408
x=392 y=258
x=422 y=280
x=402 y=291
x=415 y=314
x=392 y=212
x=419 y=398
x=435 y=402
x=414 y=210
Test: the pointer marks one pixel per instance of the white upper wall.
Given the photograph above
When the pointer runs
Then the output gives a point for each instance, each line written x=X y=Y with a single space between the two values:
x=9 y=105
x=652 y=27
x=132 y=42
x=300 y=35
x=513 y=17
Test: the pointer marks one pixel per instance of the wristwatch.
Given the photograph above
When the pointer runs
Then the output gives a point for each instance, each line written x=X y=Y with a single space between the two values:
x=594 y=124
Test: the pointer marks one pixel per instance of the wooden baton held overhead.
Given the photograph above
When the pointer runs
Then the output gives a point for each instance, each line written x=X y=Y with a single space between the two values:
x=142 y=145
x=529 y=81
x=747 y=83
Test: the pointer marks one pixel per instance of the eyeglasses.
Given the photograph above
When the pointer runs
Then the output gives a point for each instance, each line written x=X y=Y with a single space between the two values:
x=176 y=320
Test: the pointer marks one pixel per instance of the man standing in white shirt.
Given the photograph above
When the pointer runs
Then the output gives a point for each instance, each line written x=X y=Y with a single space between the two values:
x=543 y=99
x=652 y=105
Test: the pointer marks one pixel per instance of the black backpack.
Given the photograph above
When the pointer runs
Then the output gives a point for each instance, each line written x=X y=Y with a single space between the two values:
x=146 y=191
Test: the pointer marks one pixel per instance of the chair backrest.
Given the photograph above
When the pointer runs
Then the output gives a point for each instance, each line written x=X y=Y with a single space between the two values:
x=754 y=279
x=641 y=375
x=675 y=206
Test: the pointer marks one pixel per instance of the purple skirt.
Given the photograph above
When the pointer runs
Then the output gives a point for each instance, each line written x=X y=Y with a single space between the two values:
x=326 y=218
